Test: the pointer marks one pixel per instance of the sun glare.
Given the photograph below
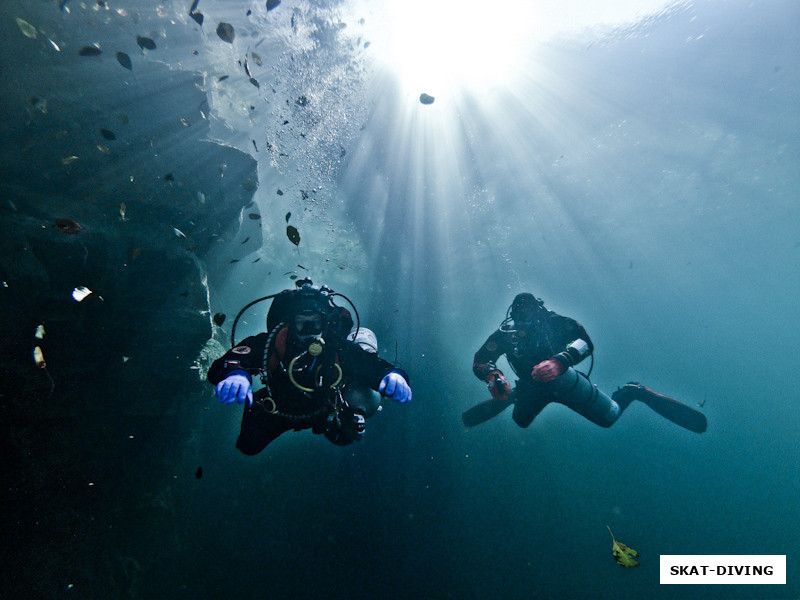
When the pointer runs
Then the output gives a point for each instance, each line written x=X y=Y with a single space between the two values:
x=441 y=46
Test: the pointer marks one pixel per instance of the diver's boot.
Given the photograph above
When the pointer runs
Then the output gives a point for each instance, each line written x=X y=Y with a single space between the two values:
x=669 y=408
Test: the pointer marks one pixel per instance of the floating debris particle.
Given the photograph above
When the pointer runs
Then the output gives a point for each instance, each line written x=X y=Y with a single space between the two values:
x=279 y=192
x=199 y=473
x=80 y=292
x=225 y=32
x=197 y=16
x=288 y=216
x=256 y=260
x=54 y=45
x=219 y=319
x=272 y=4
x=108 y=134
x=93 y=50
x=145 y=43
x=38 y=358
x=125 y=60
x=68 y=226
x=26 y=28
x=122 y=210
x=254 y=216
x=293 y=235
x=426 y=99
x=178 y=232
x=40 y=332
x=68 y=160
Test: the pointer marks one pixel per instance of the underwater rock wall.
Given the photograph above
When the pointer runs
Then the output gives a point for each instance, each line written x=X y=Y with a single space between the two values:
x=108 y=182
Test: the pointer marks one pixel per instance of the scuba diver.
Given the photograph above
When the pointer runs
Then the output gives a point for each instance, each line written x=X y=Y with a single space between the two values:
x=542 y=348
x=319 y=370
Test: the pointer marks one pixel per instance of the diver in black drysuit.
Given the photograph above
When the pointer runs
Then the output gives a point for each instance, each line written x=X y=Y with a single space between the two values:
x=542 y=347
x=307 y=365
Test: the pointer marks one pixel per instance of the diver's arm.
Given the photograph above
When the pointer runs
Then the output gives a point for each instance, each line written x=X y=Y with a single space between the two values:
x=365 y=367
x=579 y=346
x=575 y=350
x=246 y=356
x=485 y=369
x=483 y=363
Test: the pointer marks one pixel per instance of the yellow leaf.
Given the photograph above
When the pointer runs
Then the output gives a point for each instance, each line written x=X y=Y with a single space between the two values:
x=622 y=554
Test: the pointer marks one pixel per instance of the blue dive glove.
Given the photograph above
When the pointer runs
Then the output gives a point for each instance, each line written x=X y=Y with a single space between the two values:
x=235 y=388
x=394 y=386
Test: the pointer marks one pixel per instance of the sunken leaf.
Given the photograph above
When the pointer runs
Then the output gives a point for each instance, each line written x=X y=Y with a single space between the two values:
x=622 y=554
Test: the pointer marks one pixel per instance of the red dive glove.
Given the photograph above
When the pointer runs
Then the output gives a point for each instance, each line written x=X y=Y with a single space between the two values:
x=498 y=385
x=547 y=370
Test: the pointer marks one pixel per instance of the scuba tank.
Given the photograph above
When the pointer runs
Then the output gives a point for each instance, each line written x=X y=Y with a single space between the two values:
x=365 y=338
x=573 y=389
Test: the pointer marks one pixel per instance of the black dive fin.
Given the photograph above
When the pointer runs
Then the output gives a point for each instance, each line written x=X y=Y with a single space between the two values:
x=486 y=410
x=669 y=408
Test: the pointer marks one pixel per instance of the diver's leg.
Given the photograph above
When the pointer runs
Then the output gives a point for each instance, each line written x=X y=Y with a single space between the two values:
x=528 y=405
x=599 y=409
x=258 y=429
x=574 y=390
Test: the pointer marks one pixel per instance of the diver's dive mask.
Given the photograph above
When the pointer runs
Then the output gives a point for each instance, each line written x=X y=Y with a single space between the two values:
x=308 y=324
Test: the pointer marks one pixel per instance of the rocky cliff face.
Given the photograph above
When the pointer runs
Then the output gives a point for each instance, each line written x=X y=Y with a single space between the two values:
x=112 y=188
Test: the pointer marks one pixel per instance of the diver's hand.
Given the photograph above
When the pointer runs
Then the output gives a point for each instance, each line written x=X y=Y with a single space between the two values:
x=498 y=385
x=547 y=370
x=235 y=388
x=394 y=386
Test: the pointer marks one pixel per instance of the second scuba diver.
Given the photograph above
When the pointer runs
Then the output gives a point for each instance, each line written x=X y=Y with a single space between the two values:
x=319 y=372
x=542 y=348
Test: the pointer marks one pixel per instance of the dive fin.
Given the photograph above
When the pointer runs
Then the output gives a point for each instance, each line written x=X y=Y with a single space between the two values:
x=486 y=410
x=669 y=408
